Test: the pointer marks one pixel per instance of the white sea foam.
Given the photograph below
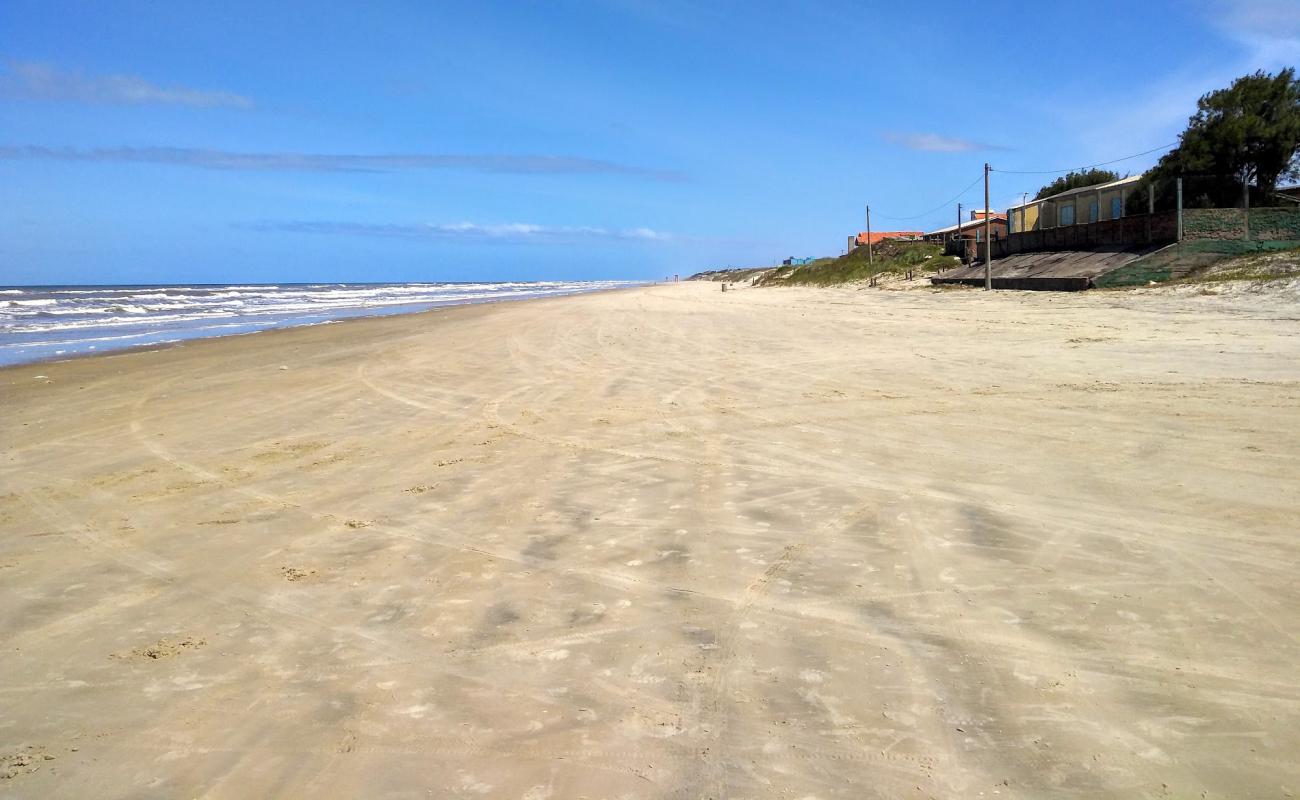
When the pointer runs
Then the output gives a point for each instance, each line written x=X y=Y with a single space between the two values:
x=77 y=319
x=31 y=303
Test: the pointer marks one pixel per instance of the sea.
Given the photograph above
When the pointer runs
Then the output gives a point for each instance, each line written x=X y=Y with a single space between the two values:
x=51 y=322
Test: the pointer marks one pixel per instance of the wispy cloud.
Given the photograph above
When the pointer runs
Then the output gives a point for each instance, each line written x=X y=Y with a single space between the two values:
x=937 y=143
x=314 y=162
x=1268 y=29
x=1148 y=114
x=44 y=82
x=501 y=232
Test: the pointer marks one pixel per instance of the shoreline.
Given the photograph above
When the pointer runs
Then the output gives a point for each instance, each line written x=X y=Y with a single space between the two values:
x=668 y=541
x=153 y=347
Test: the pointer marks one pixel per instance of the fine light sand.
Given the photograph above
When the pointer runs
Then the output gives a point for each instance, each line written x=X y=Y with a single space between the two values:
x=667 y=542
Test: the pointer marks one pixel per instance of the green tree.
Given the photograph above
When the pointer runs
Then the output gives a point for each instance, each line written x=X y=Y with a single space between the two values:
x=1248 y=132
x=1076 y=180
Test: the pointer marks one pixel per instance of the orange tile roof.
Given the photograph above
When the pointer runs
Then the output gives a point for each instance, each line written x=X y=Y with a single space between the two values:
x=878 y=236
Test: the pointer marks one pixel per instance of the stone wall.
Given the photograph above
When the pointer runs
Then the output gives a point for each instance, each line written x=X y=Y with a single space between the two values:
x=1275 y=224
x=1223 y=224
x=1213 y=223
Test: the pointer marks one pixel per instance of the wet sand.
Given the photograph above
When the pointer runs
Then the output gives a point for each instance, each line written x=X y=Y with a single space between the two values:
x=668 y=543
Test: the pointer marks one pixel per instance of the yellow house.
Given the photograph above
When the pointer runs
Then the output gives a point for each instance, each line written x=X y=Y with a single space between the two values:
x=1023 y=217
x=1074 y=207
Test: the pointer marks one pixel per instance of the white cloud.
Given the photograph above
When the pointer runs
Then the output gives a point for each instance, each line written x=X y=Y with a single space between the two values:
x=646 y=233
x=1266 y=34
x=1139 y=115
x=44 y=82
x=1269 y=30
x=504 y=232
x=936 y=143
x=334 y=162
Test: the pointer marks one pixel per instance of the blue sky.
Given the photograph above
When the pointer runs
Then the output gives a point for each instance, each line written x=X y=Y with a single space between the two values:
x=181 y=142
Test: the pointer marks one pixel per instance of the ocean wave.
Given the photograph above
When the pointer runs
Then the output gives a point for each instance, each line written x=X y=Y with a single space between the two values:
x=106 y=322
x=79 y=319
x=54 y=312
x=127 y=315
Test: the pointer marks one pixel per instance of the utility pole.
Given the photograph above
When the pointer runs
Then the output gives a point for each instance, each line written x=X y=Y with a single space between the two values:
x=988 y=237
x=956 y=235
x=869 y=260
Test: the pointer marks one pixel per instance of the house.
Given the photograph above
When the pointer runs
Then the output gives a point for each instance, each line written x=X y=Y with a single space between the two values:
x=1074 y=207
x=972 y=228
x=876 y=237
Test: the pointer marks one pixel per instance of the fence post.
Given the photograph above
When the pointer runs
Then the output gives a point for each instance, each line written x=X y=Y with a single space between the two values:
x=1180 y=209
x=1245 y=193
x=1151 y=208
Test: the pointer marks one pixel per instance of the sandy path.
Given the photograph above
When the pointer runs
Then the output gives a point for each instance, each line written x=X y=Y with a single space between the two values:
x=665 y=543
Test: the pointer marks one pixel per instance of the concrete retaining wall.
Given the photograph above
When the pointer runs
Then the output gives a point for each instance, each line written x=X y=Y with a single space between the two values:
x=1141 y=229
x=1199 y=224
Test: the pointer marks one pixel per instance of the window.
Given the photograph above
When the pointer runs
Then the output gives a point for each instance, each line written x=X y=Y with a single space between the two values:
x=1116 y=208
x=1067 y=215
x=1092 y=211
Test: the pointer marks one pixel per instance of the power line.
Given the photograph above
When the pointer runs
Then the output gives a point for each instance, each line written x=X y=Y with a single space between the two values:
x=1080 y=169
x=939 y=207
x=971 y=185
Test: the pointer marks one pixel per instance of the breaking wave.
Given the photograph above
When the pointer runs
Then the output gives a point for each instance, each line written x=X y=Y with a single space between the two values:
x=34 y=321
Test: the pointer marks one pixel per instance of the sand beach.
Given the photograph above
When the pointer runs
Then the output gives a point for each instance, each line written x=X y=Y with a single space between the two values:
x=668 y=543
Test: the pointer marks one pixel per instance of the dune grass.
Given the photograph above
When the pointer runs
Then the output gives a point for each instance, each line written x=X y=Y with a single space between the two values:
x=889 y=256
x=1262 y=267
